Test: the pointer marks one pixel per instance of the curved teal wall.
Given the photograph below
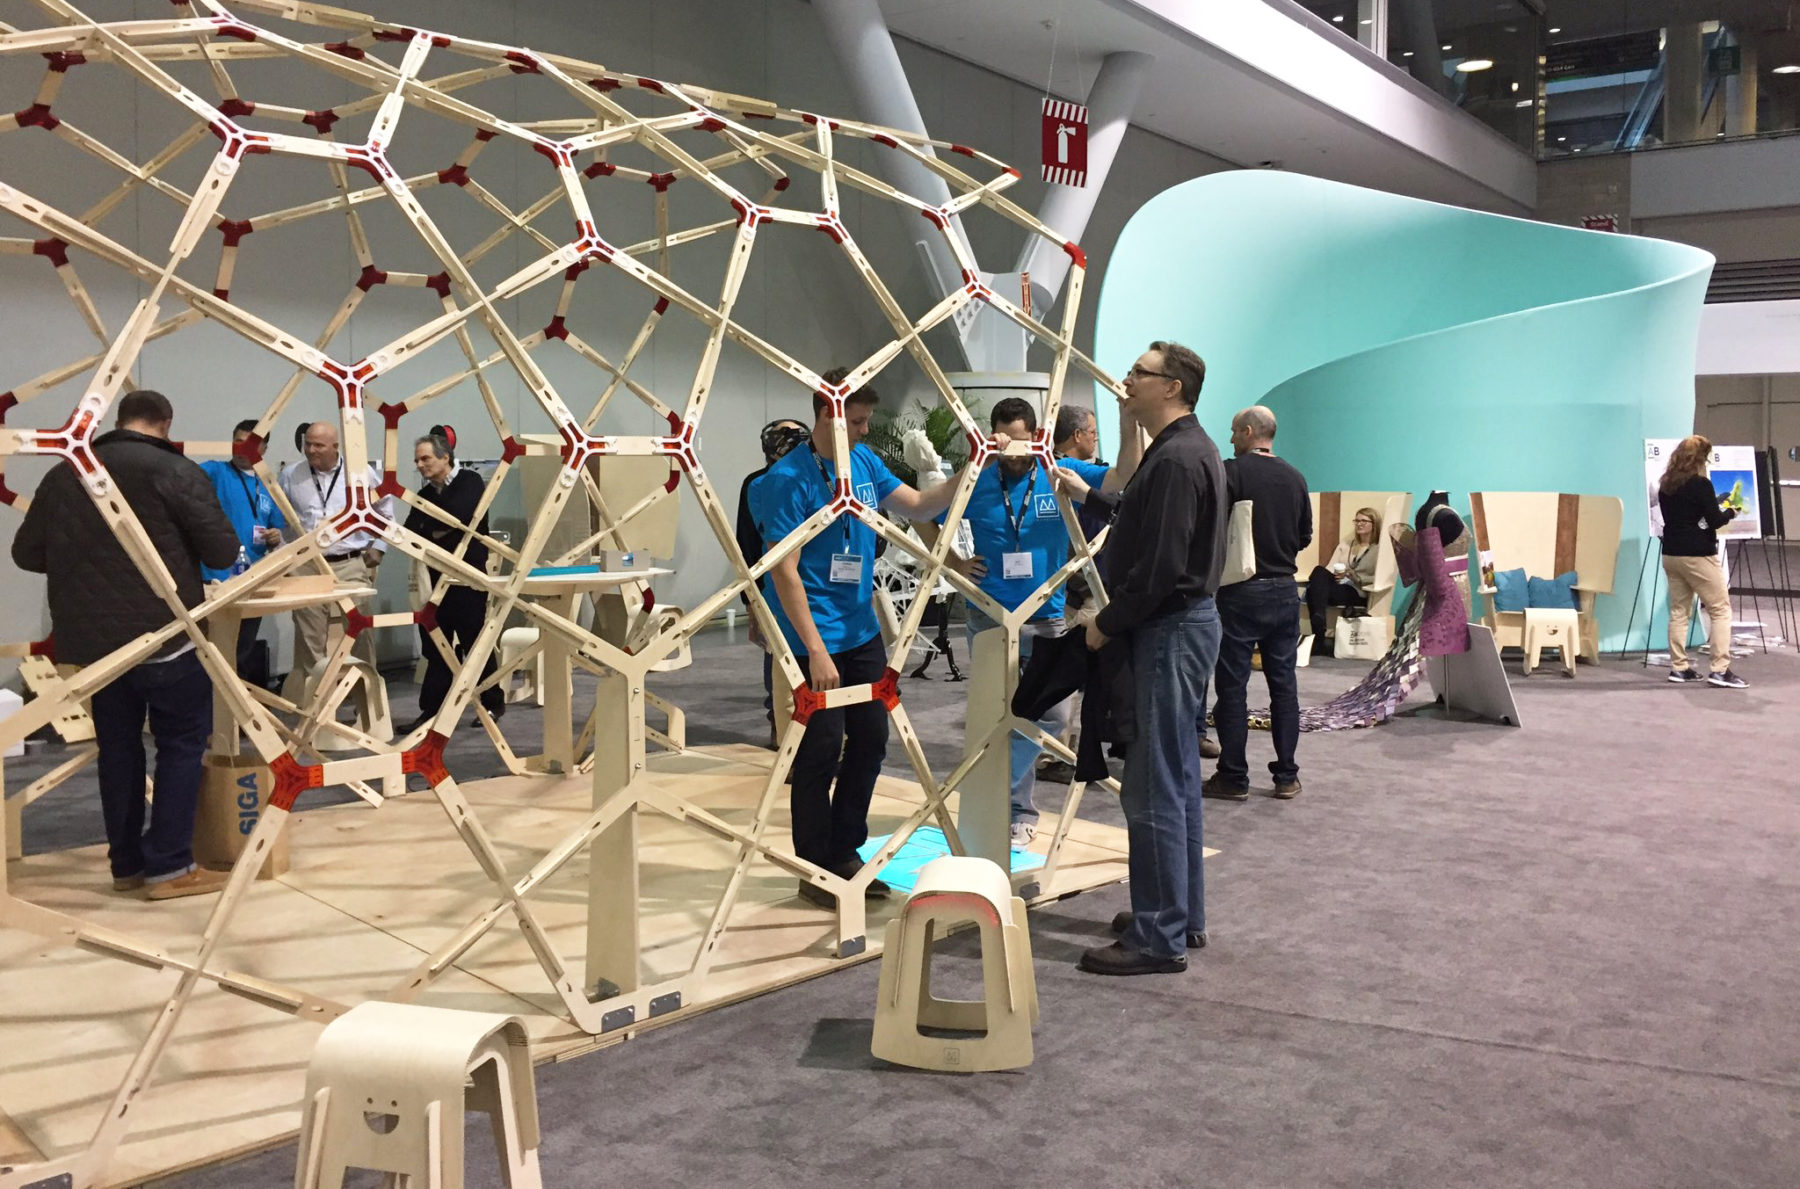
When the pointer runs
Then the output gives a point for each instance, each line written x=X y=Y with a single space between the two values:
x=1407 y=345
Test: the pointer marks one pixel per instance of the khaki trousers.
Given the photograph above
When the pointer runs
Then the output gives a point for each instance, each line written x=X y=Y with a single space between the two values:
x=1703 y=576
x=318 y=629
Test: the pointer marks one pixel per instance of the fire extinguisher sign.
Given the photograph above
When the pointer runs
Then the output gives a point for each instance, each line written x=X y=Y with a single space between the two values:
x=1065 y=143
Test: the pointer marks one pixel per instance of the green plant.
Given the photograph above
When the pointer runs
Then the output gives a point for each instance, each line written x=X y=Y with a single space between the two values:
x=890 y=427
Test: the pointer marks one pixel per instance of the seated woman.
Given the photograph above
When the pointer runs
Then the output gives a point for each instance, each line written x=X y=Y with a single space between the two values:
x=1346 y=580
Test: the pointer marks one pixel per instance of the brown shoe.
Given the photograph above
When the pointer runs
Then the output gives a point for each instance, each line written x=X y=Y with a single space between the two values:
x=127 y=883
x=1288 y=791
x=198 y=882
x=1209 y=748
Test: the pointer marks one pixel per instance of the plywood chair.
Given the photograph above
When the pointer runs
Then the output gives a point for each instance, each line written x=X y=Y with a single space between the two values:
x=368 y=696
x=1333 y=514
x=387 y=1088
x=1546 y=533
x=951 y=891
x=515 y=643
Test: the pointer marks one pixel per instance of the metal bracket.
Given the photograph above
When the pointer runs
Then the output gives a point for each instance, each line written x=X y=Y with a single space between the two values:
x=852 y=946
x=663 y=1004
x=618 y=1018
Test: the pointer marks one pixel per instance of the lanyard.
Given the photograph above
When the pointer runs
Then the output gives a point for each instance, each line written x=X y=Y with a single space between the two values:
x=325 y=493
x=830 y=491
x=1017 y=523
x=250 y=496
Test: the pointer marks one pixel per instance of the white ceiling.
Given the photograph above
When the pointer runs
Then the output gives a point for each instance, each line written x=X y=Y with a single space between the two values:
x=1196 y=93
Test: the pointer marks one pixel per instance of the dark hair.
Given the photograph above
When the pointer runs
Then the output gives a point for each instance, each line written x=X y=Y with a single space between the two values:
x=247 y=425
x=1185 y=367
x=300 y=435
x=143 y=405
x=1013 y=408
x=1071 y=420
x=866 y=395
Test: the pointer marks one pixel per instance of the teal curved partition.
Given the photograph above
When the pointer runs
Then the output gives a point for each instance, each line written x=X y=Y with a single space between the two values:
x=1408 y=345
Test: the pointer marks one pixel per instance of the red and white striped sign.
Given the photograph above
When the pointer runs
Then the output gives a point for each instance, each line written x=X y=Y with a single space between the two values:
x=1065 y=143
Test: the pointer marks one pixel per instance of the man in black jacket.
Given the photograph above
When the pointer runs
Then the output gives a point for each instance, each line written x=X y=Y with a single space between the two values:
x=456 y=491
x=100 y=602
x=1263 y=612
x=1162 y=569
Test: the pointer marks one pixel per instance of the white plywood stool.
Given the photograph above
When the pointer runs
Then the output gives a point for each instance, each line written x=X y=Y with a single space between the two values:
x=951 y=891
x=514 y=642
x=1552 y=627
x=387 y=1088
x=368 y=698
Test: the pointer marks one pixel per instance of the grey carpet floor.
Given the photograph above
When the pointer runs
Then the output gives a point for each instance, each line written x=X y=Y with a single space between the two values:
x=1566 y=955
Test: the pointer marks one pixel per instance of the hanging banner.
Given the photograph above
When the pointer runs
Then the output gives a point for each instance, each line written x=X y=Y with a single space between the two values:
x=1065 y=143
x=1733 y=471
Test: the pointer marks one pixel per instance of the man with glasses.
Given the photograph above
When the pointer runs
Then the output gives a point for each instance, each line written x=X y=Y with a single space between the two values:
x=1162 y=568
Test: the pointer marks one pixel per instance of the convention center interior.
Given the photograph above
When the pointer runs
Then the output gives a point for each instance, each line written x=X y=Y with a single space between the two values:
x=899 y=592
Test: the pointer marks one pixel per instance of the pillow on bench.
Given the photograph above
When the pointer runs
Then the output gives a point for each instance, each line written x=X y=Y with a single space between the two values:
x=1511 y=592
x=1557 y=592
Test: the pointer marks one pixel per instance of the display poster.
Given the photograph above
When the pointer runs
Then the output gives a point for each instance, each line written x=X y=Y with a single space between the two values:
x=1733 y=470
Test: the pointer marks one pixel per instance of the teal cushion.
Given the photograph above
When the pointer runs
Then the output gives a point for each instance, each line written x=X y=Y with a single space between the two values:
x=1510 y=592
x=1557 y=592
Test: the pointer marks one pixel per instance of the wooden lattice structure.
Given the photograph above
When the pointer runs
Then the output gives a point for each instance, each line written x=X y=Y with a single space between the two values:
x=744 y=156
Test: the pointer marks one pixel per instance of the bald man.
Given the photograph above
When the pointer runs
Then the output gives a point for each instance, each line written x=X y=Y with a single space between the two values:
x=318 y=490
x=1263 y=612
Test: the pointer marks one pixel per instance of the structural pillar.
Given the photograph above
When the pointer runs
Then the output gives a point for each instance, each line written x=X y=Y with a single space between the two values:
x=1684 y=69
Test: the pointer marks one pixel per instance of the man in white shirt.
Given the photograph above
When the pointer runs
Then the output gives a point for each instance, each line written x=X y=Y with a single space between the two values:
x=318 y=491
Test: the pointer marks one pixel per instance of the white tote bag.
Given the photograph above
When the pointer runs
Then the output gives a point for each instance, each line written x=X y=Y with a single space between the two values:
x=1240 y=546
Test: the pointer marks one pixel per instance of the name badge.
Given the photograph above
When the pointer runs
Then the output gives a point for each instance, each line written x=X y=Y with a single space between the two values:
x=1015 y=565
x=846 y=567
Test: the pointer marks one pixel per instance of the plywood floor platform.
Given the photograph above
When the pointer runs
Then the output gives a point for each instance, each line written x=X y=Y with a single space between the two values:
x=371 y=892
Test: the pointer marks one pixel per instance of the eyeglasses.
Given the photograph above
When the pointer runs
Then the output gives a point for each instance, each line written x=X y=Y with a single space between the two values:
x=1137 y=373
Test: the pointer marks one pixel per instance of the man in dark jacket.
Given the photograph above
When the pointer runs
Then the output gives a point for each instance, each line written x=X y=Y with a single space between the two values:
x=100 y=602
x=457 y=492
x=1162 y=569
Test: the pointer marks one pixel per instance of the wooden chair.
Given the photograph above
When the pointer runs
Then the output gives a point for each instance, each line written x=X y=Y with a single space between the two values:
x=1545 y=534
x=1333 y=513
x=515 y=643
x=1552 y=627
x=387 y=1088
x=951 y=891
x=367 y=695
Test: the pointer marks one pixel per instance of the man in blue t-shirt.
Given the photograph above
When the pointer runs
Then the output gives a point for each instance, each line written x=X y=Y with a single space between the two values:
x=258 y=521
x=1020 y=540
x=825 y=606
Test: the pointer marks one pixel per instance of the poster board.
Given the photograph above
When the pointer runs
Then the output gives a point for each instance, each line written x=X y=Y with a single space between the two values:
x=1733 y=470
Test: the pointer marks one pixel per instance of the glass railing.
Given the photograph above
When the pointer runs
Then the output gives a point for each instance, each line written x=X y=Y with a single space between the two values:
x=1558 y=77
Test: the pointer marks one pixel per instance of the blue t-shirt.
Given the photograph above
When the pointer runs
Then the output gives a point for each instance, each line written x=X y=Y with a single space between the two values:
x=247 y=504
x=782 y=500
x=1020 y=516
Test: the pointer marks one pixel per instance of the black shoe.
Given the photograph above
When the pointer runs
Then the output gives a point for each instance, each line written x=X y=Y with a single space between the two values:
x=1122 y=921
x=1120 y=959
x=817 y=895
x=1220 y=791
x=1726 y=680
x=1209 y=748
x=1288 y=791
x=1682 y=676
x=414 y=725
x=876 y=890
x=1056 y=772
x=496 y=715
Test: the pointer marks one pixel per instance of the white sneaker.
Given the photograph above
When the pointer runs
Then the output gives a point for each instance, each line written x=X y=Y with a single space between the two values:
x=1023 y=833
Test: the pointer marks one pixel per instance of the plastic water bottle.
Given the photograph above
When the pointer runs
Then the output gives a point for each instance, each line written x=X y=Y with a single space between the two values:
x=242 y=563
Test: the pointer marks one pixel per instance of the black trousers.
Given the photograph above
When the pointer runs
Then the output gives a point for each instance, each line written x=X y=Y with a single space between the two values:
x=460 y=616
x=1323 y=590
x=252 y=662
x=848 y=744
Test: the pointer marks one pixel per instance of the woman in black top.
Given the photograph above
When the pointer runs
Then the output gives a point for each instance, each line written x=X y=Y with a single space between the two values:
x=1692 y=516
x=463 y=609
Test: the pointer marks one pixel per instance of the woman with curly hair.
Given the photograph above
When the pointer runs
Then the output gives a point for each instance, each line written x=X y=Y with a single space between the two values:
x=1692 y=516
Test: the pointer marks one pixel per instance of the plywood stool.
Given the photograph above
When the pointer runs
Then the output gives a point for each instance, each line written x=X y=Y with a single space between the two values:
x=387 y=1088
x=951 y=891
x=368 y=696
x=514 y=642
x=1552 y=627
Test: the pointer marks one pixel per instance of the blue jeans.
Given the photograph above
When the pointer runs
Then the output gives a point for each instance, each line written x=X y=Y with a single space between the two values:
x=1266 y=615
x=1024 y=751
x=1171 y=658
x=177 y=697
